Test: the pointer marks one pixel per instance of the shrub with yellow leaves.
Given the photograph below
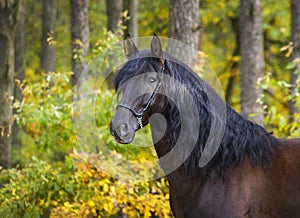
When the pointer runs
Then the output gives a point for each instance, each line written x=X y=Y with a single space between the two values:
x=71 y=186
x=81 y=191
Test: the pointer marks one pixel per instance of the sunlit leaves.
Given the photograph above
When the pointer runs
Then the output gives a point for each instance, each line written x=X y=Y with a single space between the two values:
x=78 y=192
x=45 y=115
x=276 y=115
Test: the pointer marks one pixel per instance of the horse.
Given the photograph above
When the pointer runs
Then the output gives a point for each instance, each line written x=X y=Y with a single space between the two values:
x=251 y=174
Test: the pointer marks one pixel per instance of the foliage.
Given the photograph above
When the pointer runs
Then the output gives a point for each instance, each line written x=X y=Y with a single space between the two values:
x=156 y=21
x=45 y=115
x=277 y=119
x=219 y=19
x=74 y=187
x=81 y=191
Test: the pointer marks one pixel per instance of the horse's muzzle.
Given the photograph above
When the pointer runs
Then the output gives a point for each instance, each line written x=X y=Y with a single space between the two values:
x=122 y=133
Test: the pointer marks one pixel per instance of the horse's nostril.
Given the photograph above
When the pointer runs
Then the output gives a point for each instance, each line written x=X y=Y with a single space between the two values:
x=123 y=129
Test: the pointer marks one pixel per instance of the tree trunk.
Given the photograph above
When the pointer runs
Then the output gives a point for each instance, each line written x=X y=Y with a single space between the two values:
x=295 y=73
x=252 y=59
x=79 y=36
x=114 y=17
x=184 y=26
x=19 y=64
x=114 y=13
x=9 y=11
x=48 y=35
x=132 y=24
x=233 y=65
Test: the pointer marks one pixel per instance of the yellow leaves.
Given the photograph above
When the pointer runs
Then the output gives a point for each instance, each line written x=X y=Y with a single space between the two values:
x=105 y=188
x=216 y=20
x=288 y=48
x=66 y=204
x=54 y=203
x=82 y=189
x=68 y=195
x=13 y=191
x=109 y=207
x=147 y=211
x=51 y=38
x=91 y=203
x=236 y=58
x=131 y=191
x=125 y=15
x=135 y=200
x=113 y=190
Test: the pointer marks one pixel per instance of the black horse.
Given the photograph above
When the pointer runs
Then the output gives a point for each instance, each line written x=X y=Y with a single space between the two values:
x=251 y=174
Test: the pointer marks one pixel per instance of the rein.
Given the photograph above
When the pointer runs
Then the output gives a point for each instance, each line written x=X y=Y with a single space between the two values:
x=139 y=115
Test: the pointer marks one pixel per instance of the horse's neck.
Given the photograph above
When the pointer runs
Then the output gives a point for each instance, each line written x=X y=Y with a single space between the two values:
x=165 y=136
x=162 y=133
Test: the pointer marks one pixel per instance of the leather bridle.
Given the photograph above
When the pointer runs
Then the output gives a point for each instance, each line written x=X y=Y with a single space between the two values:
x=139 y=115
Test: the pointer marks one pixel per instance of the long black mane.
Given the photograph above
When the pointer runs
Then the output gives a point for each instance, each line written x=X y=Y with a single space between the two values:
x=241 y=139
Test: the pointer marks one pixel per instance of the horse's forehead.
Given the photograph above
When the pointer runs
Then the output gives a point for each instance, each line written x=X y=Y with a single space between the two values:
x=136 y=74
x=142 y=54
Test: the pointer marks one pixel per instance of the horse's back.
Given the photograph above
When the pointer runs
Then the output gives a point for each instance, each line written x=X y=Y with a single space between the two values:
x=285 y=179
x=271 y=191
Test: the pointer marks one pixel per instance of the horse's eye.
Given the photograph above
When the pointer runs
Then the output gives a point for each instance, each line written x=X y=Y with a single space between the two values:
x=152 y=80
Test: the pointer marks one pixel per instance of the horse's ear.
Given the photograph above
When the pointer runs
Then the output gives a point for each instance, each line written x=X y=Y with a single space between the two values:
x=156 y=48
x=129 y=46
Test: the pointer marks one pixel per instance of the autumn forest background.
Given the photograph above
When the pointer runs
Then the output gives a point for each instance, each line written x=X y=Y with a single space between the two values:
x=252 y=45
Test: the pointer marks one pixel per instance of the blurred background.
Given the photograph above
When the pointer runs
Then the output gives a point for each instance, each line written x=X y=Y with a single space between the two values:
x=252 y=45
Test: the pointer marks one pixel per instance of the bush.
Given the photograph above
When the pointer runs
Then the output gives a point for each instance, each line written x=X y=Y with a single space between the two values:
x=72 y=187
x=46 y=119
x=81 y=191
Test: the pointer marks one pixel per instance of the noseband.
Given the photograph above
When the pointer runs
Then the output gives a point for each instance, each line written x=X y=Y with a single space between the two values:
x=139 y=115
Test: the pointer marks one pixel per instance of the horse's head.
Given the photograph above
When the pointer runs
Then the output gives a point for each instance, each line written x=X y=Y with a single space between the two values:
x=138 y=83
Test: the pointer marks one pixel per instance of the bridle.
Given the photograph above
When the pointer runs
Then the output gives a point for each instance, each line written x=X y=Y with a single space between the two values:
x=139 y=115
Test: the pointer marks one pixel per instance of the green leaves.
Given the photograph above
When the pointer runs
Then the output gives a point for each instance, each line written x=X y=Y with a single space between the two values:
x=45 y=116
x=71 y=186
x=66 y=191
x=291 y=65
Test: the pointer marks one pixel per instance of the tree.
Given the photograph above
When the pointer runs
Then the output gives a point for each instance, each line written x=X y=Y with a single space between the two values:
x=184 y=22
x=9 y=10
x=48 y=30
x=114 y=17
x=79 y=36
x=132 y=24
x=114 y=13
x=19 y=63
x=184 y=26
x=252 y=59
x=295 y=72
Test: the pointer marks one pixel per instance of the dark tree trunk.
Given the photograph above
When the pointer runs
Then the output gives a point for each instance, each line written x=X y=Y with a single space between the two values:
x=9 y=10
x=79 y=33
x=114 y=13
x=295 y=73
x=48 y=34
x=132 y=24
x=19 y=63
x=252 y=59
x=184 y=22
x=233 y=65
x=114 y=17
